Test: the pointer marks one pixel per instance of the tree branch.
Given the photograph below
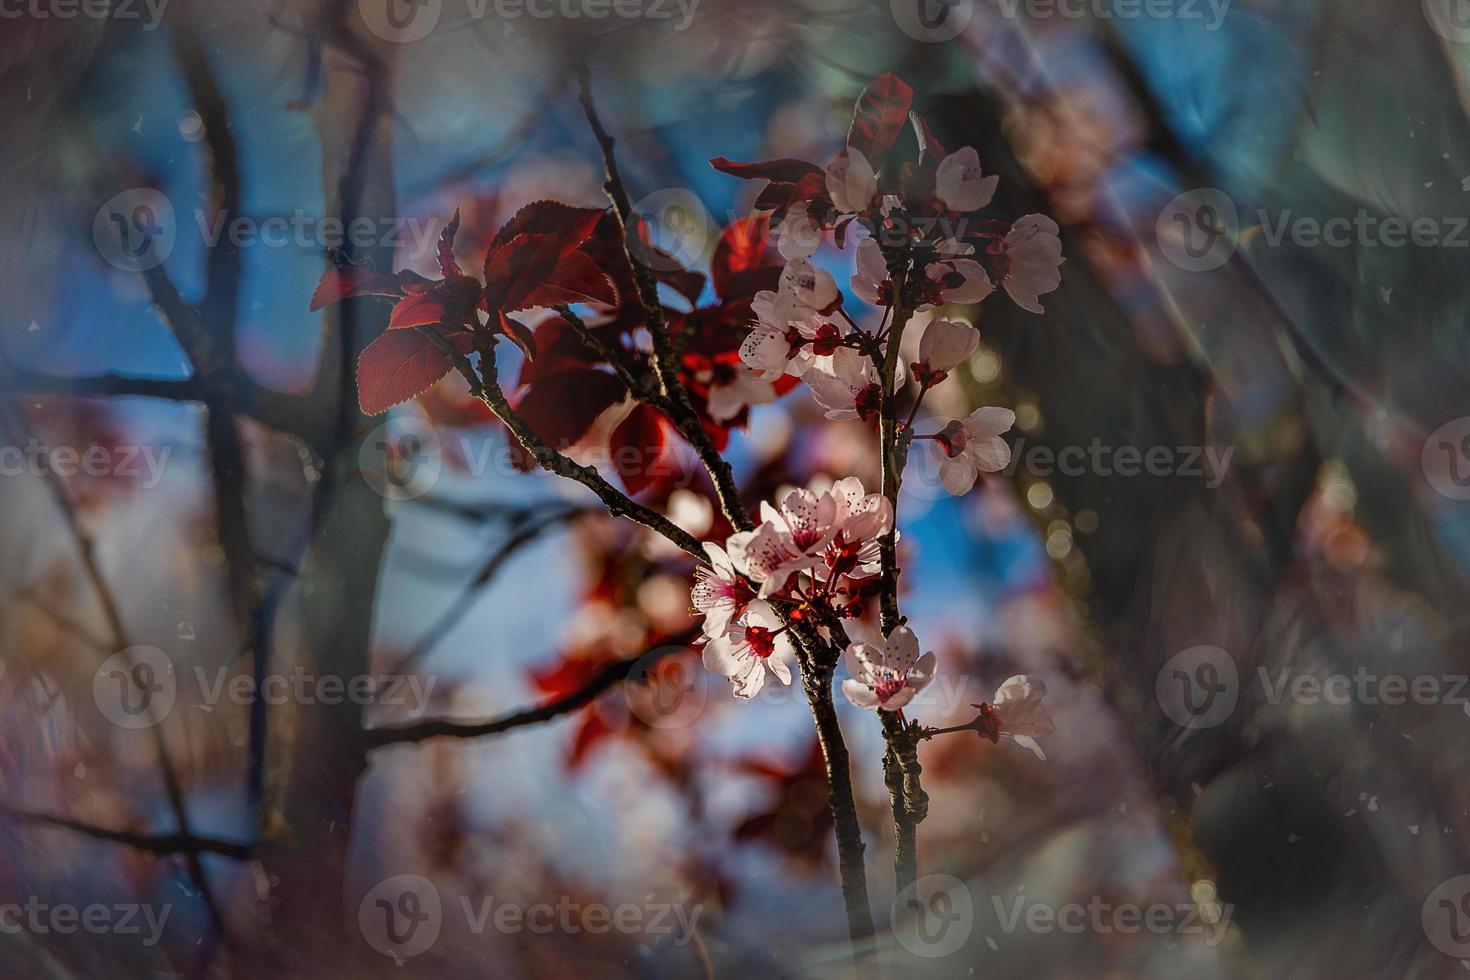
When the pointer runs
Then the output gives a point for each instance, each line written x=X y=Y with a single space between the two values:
x=484 y=386
x=603 y=680
x=158 y=844
x=665 y=364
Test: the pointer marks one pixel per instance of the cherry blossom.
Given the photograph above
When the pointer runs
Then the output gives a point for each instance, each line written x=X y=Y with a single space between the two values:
x=720 y=592
x=862 y=519
x=799 y=234
x=972 y=447
x=1033 y=259
x=955 y=280
x=787 y=541
x=851 y=182
x=755 y=645
x=772 y=351
x=943 y=347
x=870 y=281
x=1017 y=713
x=958 y=184
x=886 y=677
x=848 y=387
x=733 y=389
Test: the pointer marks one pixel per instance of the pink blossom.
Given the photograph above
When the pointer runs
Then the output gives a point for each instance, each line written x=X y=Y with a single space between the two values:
x=756 y=644
x=886 y=678
x=847 y=387
x=956 y=280
x=720 y=592
x=870 y=281
x=944 y=346
x=851 y=182
x=862 y=519
x=972 y=447
x=1033 y=259
x=727 y=398
x=958 y=184
x=1017 y=713
x=799 y=234
x=787 y=541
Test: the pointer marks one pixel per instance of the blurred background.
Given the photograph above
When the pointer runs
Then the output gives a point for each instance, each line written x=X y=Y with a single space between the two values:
x=1234 y=539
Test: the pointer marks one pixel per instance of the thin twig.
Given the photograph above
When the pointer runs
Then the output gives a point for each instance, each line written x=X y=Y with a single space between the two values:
x=484 y=386
x=603 y=680
x=158 y=844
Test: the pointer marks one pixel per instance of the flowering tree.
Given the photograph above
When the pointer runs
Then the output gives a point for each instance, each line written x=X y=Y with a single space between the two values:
x=779 y=593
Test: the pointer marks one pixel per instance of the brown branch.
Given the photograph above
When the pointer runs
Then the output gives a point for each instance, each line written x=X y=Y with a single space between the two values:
x=107 y=386
x=603 y=680
x=665 y=363
x=484 y=386
x=816 y=681
x=158 y=844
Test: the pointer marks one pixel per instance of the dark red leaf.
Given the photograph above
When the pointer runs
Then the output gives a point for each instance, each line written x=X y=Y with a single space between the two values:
x=532 y=270
x=881 y=112
x=520 y=335
x=558 y=348
x=785 y=171
x=639 y=448
x=340 y=282
x=742 y=246
x=445 y=250
x=592 y=730
x=561 y=408
x=451 y=302
x=571 y=226
x=400 y=365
